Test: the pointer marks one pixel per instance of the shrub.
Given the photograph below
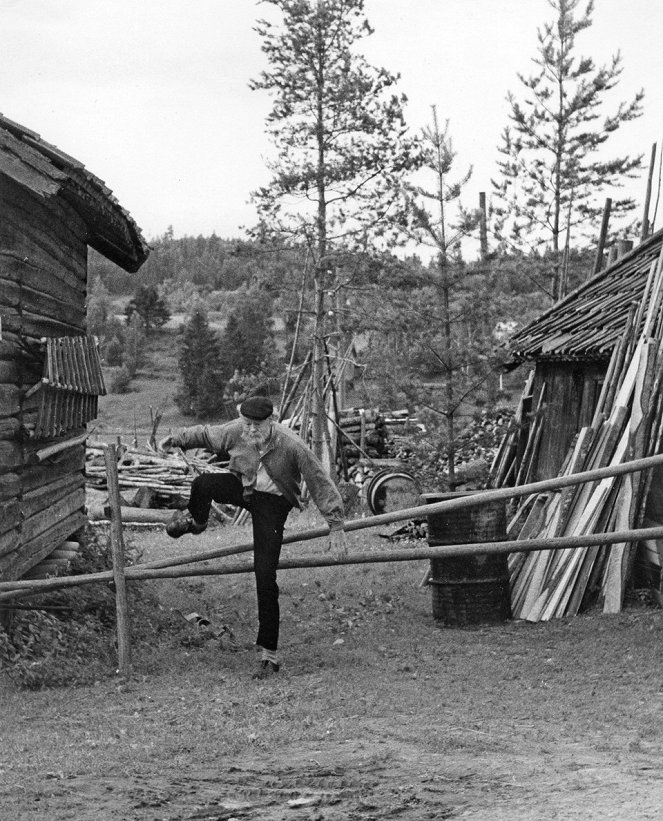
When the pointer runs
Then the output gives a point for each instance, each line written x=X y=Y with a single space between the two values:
x=113 y=352
x=69 y=636
x=121 y=381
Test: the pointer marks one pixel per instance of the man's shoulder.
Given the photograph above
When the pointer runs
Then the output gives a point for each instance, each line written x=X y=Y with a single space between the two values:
x=289 y=437
x=224 y=429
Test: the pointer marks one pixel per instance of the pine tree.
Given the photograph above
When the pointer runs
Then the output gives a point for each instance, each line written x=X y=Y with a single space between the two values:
x=341 y=141
x=442 y=339
x=149 y=306
x=247 y=334
x=201 y=391
x=551 y=177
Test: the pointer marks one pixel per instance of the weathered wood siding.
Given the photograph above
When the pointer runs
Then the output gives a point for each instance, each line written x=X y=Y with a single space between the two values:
x=571 y=393
x=43 y=272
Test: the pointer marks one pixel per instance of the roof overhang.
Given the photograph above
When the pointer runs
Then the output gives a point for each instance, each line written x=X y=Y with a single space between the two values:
x=47 y=172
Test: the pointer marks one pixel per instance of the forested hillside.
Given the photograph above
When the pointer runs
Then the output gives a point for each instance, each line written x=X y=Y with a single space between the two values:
x=242 y=305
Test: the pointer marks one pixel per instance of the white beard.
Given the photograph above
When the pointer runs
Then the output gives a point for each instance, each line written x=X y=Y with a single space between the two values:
x=256 y=439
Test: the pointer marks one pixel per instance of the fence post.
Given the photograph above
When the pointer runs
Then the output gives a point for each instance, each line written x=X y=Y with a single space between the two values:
x=117 y=551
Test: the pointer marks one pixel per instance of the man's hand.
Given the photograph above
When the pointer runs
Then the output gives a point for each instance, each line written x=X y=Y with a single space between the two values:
x=338 y=544
x=165 y=444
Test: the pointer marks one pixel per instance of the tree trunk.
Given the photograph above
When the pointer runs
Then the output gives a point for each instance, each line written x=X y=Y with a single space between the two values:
x=446 y=315
x=317 y=404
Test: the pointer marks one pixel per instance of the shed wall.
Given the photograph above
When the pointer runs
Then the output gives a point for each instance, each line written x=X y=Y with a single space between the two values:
x=43 y=272
x=571 y=394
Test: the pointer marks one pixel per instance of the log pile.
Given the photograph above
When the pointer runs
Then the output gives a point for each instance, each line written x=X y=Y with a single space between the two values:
x=626 y=425
x=149 y=479
x=57 y=563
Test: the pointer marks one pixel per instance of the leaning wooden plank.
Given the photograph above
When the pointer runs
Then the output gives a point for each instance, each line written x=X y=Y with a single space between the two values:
x=640 y=425
x=546 y=599
x=654 y=306
x=576 y=463
x=540 y=568
x=580 y=587
x=556 y=605
x=523 y=510
x=619 y=372
x=557 y=561
x=561 y=587
x=619 y=563
x=613 y=582
x=646 y=301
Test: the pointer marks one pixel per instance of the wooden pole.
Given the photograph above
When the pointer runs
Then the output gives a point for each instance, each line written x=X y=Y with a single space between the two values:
x=418 y=553
x=141 y=573
x=119 y=575
x=598 y=262
x=53 y=450
x=644 y=233
x=11 y=588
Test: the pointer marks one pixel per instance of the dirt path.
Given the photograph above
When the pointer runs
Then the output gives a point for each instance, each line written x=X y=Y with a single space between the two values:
x=378 y=713
x=363 y=781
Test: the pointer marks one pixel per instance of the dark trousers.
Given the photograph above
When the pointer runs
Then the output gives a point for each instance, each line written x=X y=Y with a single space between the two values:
x=268 y=514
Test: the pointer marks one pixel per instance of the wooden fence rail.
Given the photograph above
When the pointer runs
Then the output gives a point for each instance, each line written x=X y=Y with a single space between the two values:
x=169 y=568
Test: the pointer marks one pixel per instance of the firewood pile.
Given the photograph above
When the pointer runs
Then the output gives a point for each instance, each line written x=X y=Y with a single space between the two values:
x=367 y=433
x=479 y=441
x=147 y=478
x=626 y=425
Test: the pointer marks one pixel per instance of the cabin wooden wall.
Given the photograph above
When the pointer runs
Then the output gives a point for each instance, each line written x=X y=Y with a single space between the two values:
x=43 y=272
x=571 y=392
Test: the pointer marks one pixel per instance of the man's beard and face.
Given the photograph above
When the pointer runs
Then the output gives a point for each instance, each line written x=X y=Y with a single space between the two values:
x=255 y=432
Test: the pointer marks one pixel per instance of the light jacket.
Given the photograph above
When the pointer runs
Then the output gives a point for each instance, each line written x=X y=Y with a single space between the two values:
x=287 y=460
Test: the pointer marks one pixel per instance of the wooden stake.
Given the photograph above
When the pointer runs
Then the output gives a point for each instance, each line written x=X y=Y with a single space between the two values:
x=117 y=548
x=644 y=233
x=598 y=262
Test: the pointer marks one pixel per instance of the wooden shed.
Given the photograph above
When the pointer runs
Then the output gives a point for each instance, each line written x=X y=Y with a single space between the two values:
x=569 y=347
x=593 y=398
x=51 y=210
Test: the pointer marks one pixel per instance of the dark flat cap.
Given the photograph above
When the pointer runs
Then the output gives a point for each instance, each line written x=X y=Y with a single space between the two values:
x=257 y=408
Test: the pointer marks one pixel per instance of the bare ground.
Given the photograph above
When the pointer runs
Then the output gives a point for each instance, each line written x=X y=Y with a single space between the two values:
x=378 y=712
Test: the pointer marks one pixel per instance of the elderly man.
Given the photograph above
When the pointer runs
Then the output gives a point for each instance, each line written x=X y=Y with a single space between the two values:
x=267 y=463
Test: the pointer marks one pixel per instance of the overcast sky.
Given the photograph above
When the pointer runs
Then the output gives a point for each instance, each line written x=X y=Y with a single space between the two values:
x=152 y=95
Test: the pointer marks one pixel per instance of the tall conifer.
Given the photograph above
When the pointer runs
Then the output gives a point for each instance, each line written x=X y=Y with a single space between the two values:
x=553 y=171
x=341 y=145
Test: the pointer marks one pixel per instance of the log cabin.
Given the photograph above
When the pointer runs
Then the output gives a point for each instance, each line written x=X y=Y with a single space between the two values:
x=51 y=210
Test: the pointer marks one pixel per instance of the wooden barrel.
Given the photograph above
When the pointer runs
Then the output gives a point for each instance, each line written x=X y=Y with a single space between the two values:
x=390 y=490
x=469 y=589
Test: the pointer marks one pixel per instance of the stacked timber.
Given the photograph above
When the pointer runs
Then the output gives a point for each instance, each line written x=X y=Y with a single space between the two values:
x=626 y=425
x=148 y=479
x=57 y=563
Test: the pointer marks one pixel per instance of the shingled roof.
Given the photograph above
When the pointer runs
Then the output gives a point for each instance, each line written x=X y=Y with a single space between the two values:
x=587 y=324
x=47 y=172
